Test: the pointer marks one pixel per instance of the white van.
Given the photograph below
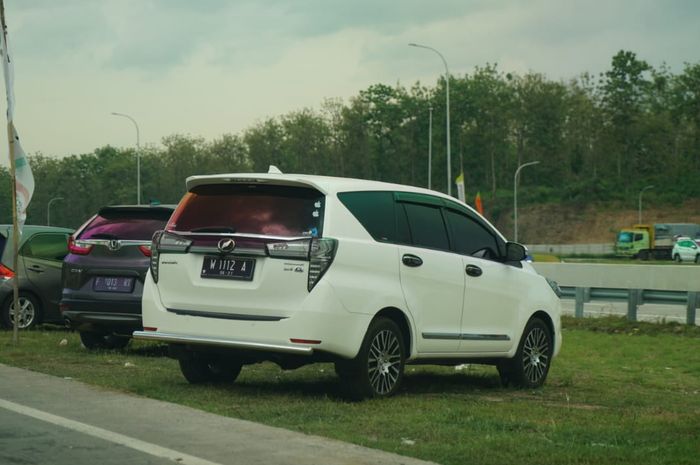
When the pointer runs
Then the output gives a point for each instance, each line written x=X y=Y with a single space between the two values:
x=297 y=269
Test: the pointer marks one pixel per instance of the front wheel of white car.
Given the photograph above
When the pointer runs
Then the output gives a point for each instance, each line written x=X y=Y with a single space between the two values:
x=377 y=370
x=530 y=366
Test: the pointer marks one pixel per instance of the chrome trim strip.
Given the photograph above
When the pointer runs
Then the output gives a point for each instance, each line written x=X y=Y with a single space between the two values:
x=106 y=242
x=484 y=337
x=236 y=251
x=466 y=337
x=225 y=316
x=255 y=236
x=445 y=336
x=199 y=340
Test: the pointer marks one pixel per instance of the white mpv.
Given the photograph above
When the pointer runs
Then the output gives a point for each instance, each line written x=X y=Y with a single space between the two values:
x=371 y=276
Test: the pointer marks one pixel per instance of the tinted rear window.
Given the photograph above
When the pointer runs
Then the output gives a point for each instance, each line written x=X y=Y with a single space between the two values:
x=251 y=209
x=375 y=211
x=127 y=225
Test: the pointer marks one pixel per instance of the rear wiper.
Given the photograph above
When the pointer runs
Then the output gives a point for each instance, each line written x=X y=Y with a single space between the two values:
x=214 y=229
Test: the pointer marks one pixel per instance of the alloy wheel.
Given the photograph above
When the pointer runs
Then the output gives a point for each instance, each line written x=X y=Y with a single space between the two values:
x=27 y=313
x=384 y=362
x=536 y=355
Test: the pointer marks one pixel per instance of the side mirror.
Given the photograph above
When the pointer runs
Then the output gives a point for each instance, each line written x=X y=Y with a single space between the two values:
x=515 y=252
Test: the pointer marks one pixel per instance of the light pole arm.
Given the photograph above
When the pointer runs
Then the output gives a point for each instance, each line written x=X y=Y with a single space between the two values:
x=515 y=197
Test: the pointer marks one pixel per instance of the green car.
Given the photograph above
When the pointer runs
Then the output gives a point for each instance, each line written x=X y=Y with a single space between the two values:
x=38 y=270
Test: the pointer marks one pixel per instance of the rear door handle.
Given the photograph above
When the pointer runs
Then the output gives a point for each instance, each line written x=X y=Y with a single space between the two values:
x=411 y=260
x=473 y=270
x=37 y=268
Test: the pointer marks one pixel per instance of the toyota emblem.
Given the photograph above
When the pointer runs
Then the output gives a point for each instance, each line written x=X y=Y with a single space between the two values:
x=226 y=245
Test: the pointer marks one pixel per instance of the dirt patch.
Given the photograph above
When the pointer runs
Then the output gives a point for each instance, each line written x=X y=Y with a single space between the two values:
x=590 y=224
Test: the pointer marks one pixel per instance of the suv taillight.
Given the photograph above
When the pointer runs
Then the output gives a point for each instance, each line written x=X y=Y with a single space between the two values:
x=77 y=247
x=164 y=241
x=289 y=249
x=5 y=272
x=321 y=255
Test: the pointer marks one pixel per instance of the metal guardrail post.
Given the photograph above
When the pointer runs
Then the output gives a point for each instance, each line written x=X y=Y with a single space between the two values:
x=693 y=301
x=633 y=298
x=580 y=291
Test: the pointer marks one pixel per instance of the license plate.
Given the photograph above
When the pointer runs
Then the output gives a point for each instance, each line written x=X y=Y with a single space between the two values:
x=113 y=284
x=228 y=268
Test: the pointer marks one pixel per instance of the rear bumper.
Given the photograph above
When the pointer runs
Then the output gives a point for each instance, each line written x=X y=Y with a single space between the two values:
x=89 y=315
x=218 y=342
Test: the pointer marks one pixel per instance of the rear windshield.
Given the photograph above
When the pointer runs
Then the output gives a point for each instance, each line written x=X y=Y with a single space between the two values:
x=250 y=209
x=125 y=225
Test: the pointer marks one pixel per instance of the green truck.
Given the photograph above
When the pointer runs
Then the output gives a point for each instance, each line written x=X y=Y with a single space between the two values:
x=645 y=241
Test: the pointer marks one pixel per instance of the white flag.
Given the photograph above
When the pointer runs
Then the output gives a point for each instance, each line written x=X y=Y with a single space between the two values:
x=460 y=187
x=24 y=180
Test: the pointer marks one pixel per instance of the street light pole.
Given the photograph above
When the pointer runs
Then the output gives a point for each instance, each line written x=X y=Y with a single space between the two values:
x=48 y=210
x=138 y=156
x=430 y=146
x=447 y=111
x=639 y=218
x=515 y=197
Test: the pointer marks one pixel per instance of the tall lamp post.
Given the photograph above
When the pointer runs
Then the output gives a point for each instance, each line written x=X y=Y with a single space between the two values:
x=48 y=209
x=138 y=156
x=639 y=218
x=515 y=197
x=447 y=107
x=430 y=146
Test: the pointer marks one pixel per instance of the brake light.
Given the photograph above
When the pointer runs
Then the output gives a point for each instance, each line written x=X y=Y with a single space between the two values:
x=321 y=255
x=164 y=241
x=78 y=247
x=146 y=250
x=5 y=272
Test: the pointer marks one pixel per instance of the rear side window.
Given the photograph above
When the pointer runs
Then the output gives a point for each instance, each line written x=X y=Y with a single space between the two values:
x=250 y=209
x=469 y=237
x=3 y=240
x=46 y=247
x=375 y=211
x=135 y=224
x=426 y=226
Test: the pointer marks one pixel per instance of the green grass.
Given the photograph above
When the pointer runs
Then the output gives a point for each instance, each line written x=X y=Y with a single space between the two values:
x=618 y=393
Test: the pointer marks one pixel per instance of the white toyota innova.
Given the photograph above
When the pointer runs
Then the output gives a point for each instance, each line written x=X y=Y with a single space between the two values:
x=371 y=276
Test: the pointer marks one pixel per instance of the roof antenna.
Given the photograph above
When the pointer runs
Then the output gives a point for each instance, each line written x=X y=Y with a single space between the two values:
x=273 y=170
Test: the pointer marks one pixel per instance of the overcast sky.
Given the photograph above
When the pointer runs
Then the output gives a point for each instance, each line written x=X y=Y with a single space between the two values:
x=209 y=67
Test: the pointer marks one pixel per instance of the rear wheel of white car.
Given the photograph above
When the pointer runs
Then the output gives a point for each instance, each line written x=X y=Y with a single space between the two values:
x=530 y=366
x=377 y=370
x=697 y=258
x=677 y=258
x=203 y=368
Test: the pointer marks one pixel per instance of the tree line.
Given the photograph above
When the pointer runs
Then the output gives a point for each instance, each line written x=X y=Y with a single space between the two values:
x=597 y=138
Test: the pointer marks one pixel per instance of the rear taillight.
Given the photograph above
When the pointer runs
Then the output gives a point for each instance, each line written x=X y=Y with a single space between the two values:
x=321 y=255
x=5 y=272
x=164 y=242
x=78 y=247
x=146 y=250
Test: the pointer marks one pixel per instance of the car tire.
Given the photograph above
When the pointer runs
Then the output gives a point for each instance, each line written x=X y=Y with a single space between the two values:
x=530 y=365
x=199 y=369
x=697 y=258
x=677 y=258
x=29 y=314
x=95 y=341
x=377 y=370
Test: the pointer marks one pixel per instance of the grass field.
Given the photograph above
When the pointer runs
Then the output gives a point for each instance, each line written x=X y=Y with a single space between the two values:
x=618 y=393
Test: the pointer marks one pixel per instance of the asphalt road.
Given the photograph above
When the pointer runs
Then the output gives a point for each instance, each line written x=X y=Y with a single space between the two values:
x=45 y=419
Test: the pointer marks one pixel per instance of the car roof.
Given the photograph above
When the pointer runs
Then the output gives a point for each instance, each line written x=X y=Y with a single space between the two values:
x=136 y=208
x=326 y=184
x=5 y=229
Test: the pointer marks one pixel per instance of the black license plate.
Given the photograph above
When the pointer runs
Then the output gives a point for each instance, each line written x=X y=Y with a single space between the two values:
x=113 y=284
x=228 y=268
